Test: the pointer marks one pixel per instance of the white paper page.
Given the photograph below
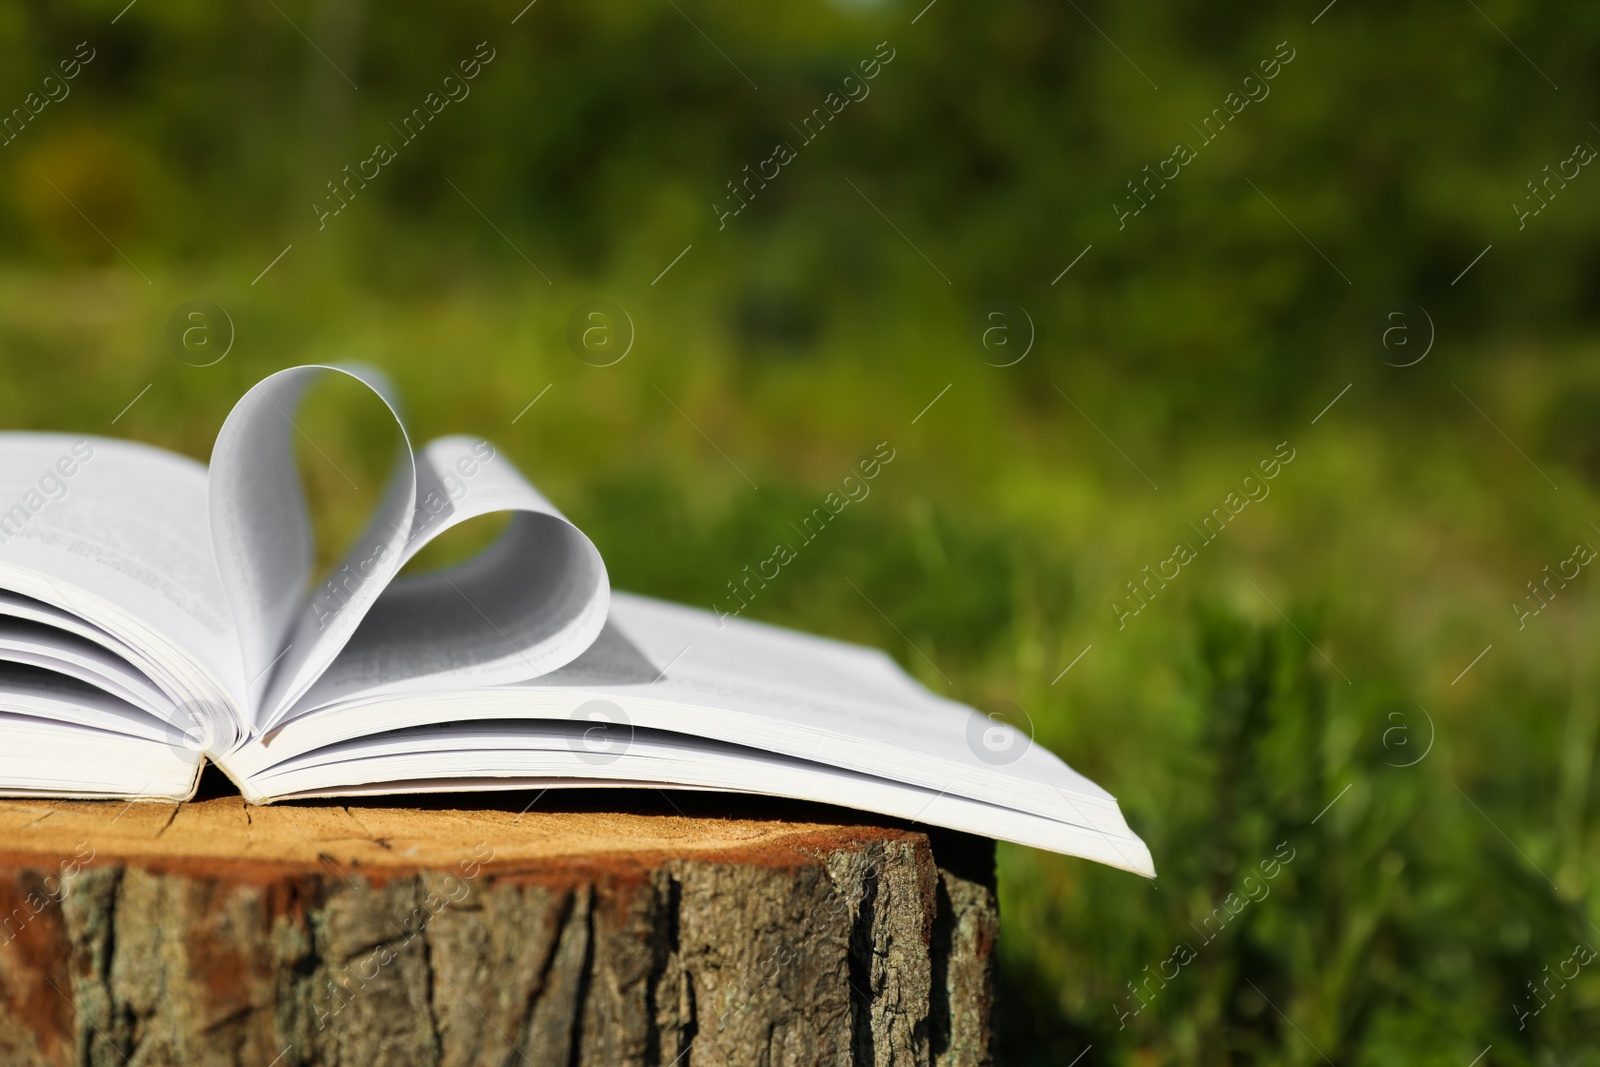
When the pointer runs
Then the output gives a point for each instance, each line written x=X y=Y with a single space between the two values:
x=743 y=721
x=841 y=704
x=563 y=751
x=15 y=606
x=116 y=533
x=529 y=604
x=36 y=644
x=48 y=758
x=667 y=667
x=45 y=694
x=262 y=532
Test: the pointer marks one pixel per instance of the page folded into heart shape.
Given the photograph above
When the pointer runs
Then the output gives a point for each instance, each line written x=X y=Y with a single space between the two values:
x=529 y=604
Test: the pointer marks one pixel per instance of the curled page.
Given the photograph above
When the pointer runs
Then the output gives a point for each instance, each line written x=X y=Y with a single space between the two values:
x=262 y=534
x=529 y=604
x=110 y=540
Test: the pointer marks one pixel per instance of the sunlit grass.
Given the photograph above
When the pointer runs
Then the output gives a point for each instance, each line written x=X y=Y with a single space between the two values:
x=995 y=543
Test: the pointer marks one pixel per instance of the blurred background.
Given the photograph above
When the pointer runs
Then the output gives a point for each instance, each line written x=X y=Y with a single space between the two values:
x=1380 y=261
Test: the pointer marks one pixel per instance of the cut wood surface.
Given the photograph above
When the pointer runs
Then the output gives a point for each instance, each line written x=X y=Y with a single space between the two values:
x=612 y=928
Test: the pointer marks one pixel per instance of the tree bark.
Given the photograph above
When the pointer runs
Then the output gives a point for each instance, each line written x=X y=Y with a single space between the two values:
x=596 y=929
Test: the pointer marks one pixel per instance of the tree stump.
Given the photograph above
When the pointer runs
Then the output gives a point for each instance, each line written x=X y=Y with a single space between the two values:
x=611 y=929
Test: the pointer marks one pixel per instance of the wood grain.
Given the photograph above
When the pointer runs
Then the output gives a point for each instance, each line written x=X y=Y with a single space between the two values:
x=613 y=929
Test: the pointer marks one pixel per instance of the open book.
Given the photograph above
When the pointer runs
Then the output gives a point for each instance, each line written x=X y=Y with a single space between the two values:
x=155 y=613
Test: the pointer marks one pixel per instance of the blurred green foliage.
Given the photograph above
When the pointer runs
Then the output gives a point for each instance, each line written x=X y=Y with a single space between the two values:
x=785 y=344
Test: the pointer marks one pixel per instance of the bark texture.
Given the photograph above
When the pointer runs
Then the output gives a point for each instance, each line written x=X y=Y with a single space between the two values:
x=215 y=934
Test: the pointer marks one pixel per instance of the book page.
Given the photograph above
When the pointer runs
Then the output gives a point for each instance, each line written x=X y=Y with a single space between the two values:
x=41 y=645
x=566 y=752
x=658 y=666
x=48 y=694
x=530 y=603
x=116 y=534
x=55 y=758
x=262 y=530
x=837 y=703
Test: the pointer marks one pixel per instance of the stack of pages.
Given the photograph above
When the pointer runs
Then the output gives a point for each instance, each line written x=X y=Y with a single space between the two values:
x=155 y=613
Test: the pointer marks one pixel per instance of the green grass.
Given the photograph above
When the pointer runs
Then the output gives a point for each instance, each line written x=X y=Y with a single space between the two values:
x=1281 y=670
x=1414 y=909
